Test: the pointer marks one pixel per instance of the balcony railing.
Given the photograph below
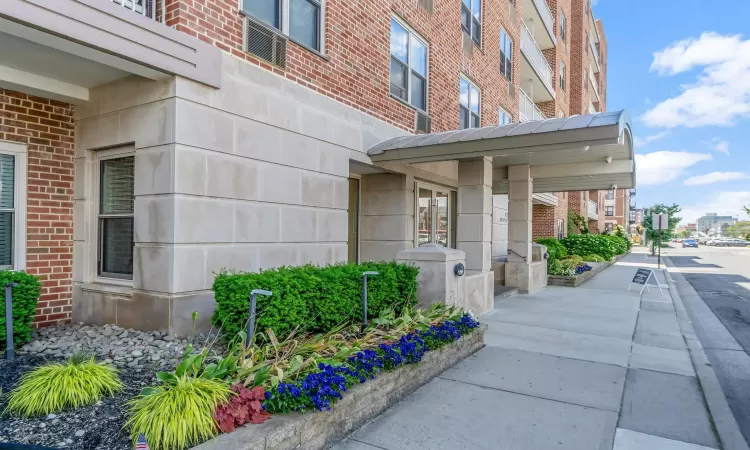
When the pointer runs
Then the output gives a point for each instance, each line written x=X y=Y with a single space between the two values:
x=593 y=210
x=142 y=7
x=546 y=14
x=528 y=109
x=536 y=57
x=594 y=52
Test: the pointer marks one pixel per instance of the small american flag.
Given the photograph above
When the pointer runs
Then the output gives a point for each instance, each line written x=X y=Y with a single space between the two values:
x=141 y=443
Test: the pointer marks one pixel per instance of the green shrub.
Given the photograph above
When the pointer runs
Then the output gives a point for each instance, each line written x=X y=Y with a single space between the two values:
x=593 y=258
x=53 y=387
x=311 y=298
x=572 y=261
x=590 y=244
x=561 y=269
x=619 y=244
x=25 y=297
x=555 y=249
x=177 y=414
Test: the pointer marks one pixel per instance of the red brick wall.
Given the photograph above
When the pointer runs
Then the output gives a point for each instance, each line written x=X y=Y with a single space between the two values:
x=544 y=218
x=602 y=76
x=47 y=127
x=561 y=52
x=356 y=67
x=579 y=63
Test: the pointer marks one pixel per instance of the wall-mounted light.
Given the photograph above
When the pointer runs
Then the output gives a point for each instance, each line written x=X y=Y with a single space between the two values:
x=608 y=159
x=459 y=269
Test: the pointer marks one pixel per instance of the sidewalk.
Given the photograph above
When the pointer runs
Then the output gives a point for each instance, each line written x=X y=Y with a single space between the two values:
x=593 y=367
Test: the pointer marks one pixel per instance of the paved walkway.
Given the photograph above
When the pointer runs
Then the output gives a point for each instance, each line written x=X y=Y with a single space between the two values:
x=587 y=368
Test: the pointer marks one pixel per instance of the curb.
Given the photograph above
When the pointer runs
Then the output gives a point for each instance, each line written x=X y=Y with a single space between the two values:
x=730 y=436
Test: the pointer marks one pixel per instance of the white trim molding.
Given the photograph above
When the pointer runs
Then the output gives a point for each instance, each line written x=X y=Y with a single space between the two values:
x=19 y=219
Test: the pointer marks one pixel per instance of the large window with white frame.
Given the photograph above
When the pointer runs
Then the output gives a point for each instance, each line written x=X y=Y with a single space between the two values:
x=470 y=107
x=471 y=19
x=505 y=117
x=409 y=56
x=115 y=214
x=12 y=205
x=506 y=55
x=301 y=20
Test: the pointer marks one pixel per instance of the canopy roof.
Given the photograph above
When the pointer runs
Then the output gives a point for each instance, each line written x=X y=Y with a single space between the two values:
x=592 y=151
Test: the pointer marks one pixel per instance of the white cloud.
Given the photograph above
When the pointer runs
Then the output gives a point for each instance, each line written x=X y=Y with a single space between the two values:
x=721 y=147
x=715 y=177
x=721 y=92
x=638 y=142
x=722 y=203
x=665 y=166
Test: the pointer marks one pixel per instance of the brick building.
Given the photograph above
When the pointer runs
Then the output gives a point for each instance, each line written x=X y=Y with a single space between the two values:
x=153 y=143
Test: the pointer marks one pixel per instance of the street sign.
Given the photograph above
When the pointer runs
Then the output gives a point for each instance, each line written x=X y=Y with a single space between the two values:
x=659 y=221
x=642 y=276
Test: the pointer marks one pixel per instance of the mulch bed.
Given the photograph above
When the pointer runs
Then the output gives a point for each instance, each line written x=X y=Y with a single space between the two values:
x=95 y=427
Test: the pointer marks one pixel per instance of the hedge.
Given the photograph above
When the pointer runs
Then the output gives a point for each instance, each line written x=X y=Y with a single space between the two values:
x=311 y=298
x=555 y=249
x=606 y=246
x=25 y=297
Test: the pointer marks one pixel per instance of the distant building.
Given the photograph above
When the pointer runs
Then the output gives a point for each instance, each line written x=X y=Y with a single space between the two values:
x=691 y=227
x=712 y=220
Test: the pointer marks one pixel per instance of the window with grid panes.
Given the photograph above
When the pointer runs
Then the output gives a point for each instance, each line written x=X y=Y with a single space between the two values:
x=408 y=66
x=7 y=209
x=301 y=20
x=469 y=109
x=116 y=197
x=609 y=211
x=471 y=19
x=506 y=55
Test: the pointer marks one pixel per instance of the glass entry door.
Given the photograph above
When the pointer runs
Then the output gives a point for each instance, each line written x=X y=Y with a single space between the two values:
x=434 y=216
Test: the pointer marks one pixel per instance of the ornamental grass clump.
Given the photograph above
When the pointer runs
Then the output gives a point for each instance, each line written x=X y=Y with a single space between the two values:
x=54 y=387
x=177 y=414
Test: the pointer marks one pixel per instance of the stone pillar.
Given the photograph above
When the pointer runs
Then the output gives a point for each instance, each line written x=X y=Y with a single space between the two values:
x=475 y=214
x=387 y=215
x=499 y=237
x=438 y=282
x=521 y=271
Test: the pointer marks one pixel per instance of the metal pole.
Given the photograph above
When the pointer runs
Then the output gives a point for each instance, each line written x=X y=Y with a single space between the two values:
x=10 y=352
x=251 y=316
x=364 y=298
x=658 y=264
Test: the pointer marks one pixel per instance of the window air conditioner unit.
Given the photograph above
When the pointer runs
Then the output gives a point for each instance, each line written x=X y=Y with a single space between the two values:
x=265 y=42
x=423 y=123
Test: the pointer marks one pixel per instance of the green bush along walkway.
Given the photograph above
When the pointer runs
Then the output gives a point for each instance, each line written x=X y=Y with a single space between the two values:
x=590 y=368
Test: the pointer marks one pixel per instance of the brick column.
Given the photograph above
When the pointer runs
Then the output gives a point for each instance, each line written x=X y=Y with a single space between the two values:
x=475 y=214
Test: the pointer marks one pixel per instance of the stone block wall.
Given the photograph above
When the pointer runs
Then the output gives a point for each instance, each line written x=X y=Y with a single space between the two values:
x=46 y=128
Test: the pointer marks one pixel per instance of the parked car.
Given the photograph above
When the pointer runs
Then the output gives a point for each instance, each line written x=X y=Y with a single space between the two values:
x=690 y=243
x=731 y=242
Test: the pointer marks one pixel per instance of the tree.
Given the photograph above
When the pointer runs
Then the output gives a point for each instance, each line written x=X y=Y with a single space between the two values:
x=685 y=234
x=739 y=229
x=667 y=234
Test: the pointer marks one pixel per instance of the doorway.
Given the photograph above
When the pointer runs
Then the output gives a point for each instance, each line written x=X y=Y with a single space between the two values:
x=435 y=215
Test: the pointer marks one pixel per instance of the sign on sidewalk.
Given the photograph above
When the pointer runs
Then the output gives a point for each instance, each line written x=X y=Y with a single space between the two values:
x=659 y=221
x=642 y=276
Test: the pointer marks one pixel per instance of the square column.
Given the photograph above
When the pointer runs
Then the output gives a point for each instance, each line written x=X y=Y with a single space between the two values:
x=475 y=214
x=520 y=213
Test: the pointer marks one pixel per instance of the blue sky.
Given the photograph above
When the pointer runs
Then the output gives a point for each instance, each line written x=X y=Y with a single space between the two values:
x=682 y=69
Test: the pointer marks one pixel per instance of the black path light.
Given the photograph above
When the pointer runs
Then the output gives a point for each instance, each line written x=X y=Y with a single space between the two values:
x=364 y=297
x=251 y=318
x=10 y=352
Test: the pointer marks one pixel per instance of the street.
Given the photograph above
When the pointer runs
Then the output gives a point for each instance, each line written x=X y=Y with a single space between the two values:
x=721 y=277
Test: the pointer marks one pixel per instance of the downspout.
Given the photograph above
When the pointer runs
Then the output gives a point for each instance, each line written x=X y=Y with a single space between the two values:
x=164 y=12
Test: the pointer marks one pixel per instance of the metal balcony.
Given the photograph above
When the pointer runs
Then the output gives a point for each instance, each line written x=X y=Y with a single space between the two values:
x=536 y=68
x=538 y=17
x=527 y=108
x=596 y=66
x=593 y=210
x=594 y=84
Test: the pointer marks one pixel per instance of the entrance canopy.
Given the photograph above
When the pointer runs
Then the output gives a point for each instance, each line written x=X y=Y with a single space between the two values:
x=577 y=153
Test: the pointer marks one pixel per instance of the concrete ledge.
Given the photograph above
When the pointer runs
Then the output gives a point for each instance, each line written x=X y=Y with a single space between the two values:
x=575 y=281
x=318 y=430
x=730 y=436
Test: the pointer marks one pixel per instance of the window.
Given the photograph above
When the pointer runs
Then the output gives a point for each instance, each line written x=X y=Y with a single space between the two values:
x=505 y=117
x=609 y=227
x=12 y=206
x=471 y=19
x=610 y=194
x=560 y=229
x=563 y=26
x=469 y=110
x=301 y=20
x=408 y=66
x=561 y=115
x=609 y=211
x=506 y=55
x=116 y=180
x=586 y=47
x=562 y=75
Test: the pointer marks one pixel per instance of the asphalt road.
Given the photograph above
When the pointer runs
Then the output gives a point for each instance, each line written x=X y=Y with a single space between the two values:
x=721 y=276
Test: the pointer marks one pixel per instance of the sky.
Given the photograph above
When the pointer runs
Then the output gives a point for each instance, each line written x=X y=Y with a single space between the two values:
x=682 y=70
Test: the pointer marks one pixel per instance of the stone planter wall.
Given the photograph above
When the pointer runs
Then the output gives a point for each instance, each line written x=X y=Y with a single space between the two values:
x=318 y=430
x=575 y=281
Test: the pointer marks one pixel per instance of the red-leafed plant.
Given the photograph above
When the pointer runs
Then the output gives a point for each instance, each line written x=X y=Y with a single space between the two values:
x=245 y=406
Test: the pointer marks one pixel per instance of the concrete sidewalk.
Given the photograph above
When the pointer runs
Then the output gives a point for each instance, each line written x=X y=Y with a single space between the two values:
x=594 y=367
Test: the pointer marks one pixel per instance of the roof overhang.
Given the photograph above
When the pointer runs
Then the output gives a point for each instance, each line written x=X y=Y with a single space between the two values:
x=586 y=152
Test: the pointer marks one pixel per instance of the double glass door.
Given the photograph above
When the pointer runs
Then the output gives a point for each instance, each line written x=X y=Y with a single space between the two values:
x=434 y=215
